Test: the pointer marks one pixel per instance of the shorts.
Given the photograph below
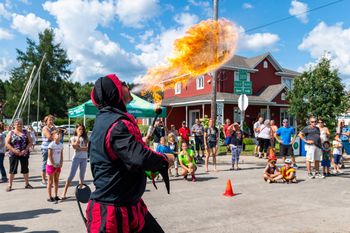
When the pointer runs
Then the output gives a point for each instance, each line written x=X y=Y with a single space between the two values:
x=14 y=160
x=50 y=170
x=273 y=142
x=199 y=141
x=264 y=144
x=211 y=145
x=286 y=150
x=227 y=140
x=326 y=163
x=313 y=153
x=337 y=158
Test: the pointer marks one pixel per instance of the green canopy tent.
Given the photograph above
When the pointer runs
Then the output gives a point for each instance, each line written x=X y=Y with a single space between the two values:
x=137 y=107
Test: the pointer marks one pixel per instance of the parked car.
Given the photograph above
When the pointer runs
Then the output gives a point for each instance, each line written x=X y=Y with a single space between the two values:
x=69 y=128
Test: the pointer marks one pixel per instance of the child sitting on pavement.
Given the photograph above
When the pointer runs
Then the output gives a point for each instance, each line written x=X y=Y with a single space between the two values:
x=271 y=170
x=187 y=162
x=326 y=161
x=288 y=173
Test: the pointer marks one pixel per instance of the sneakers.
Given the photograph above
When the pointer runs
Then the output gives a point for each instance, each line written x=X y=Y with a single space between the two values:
x=43 y=183
x=194 y=179
x=319 y=175
x=51 y=199
x=311 y=175
x=185 y=177
x=57 y=198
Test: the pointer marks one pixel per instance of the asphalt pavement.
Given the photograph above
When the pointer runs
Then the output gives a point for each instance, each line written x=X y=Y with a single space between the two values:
x=317 y=205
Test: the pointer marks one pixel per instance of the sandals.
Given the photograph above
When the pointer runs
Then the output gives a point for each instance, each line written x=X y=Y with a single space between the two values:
x=28 y=186
x=8 y=189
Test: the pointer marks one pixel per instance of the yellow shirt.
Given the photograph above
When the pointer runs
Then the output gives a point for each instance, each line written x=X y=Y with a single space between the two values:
x=286 y=173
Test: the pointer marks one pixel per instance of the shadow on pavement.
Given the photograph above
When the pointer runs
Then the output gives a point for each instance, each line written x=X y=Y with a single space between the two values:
x=42 y=232
x=11 y=228
x=26 y=214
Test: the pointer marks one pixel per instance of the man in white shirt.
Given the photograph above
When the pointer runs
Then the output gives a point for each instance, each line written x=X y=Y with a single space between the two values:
x=256 y=129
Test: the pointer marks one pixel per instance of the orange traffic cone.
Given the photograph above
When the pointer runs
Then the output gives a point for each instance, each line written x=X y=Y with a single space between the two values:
x=229 y=191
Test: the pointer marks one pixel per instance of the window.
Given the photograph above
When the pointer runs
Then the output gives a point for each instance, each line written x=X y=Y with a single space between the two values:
x=200 y=82
x=266 y=64
x=288 y=82
x=177 y=88
x=283 y=96
x=285 y=115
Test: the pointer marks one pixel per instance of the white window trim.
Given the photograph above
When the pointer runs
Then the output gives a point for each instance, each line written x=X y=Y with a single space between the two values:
x=266 y=65
x=177 y=88
x=292 y=82
x=198 y=82
x=283 y=96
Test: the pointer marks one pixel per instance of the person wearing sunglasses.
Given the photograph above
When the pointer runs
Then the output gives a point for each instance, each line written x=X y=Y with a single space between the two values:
x=311 y=135
x=325 y=134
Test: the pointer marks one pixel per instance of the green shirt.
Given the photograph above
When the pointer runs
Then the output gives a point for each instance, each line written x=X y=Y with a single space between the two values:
x=183 y=157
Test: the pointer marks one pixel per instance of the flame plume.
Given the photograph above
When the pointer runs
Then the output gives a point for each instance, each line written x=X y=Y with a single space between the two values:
x=205 y=47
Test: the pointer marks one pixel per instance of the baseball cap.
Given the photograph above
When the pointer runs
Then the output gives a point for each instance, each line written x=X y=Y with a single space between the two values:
x=285 y=121
x=288 y=161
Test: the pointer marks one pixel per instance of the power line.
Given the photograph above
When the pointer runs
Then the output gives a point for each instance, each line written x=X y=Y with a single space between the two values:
x=292 y=16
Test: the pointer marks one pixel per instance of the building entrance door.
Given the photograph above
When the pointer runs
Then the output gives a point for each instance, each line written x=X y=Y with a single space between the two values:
x=194 y=114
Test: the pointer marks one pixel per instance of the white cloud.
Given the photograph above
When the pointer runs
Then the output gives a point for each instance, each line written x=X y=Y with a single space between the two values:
x=128 y=37
x=256 y=41
x=92 y=52
x=5 y=35
x=317 y=43
x=204 y=5
x=247 y=6
x=6 y=65
x=29 y=25
x=134 y=13
x=297 y=9
x=159 y=47
x=145 y=36
x=3 y=12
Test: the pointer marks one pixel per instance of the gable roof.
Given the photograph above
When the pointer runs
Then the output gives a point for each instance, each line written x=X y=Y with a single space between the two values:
x=265 y=97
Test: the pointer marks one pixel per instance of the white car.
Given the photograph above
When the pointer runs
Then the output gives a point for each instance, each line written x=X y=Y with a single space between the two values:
x=69 y=128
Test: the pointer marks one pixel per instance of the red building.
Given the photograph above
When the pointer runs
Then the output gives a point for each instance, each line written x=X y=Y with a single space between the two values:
x=270 y=82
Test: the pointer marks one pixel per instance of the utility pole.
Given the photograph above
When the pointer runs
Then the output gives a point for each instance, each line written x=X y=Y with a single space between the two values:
x=214 y=75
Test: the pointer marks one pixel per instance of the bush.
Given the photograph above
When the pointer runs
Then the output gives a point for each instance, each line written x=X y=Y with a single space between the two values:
x=248 y=141
x=143 y=129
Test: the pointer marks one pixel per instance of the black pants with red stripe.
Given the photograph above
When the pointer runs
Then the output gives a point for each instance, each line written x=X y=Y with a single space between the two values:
x=108 y=218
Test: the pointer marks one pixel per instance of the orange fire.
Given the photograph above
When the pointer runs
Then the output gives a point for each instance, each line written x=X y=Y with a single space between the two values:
x=205 y=47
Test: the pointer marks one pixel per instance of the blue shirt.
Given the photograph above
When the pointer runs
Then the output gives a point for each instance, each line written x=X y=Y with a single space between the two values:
x=285 y=134
x=164 y=149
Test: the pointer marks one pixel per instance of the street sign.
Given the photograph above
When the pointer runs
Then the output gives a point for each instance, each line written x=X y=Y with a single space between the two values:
x=247 y=91
x=238 y=83
x=242 y=75
x=247 y=84
x=243 y=102
x=238 y=90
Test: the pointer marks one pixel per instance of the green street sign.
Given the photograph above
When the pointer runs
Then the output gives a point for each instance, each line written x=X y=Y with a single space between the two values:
x=247 y=91
x=247 y=84
x=238 y=83
x=238 y=90
x=242 y=75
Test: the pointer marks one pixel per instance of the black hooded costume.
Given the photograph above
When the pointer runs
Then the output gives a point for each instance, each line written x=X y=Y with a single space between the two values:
x=119 y=159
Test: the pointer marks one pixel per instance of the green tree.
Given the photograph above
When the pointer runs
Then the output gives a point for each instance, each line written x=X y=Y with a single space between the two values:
x=54 y=75
x=318 y=92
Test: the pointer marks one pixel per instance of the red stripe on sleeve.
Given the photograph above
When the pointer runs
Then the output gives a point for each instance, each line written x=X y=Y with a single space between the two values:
x=112 y=155
x=96 y=218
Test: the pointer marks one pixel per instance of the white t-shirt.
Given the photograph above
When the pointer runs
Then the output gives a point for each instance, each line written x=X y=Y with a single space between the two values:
x=265 y=132
x=337 y=151
x=78 y=153
x=256 y=126
x=56 y=152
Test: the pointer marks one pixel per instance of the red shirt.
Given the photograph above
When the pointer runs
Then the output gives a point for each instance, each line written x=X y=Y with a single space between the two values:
x=184 y=132
x=227 y=133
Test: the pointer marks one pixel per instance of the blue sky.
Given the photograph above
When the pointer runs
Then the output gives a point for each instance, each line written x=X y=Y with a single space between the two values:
x=127 y=37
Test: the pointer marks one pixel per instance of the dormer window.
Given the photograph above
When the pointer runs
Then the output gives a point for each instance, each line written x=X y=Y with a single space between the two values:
x=177 y=88
x=283 y=96
x=200 y=82
x=266 y=64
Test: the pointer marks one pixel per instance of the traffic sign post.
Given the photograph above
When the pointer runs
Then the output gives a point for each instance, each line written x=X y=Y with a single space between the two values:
x=243 y=105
